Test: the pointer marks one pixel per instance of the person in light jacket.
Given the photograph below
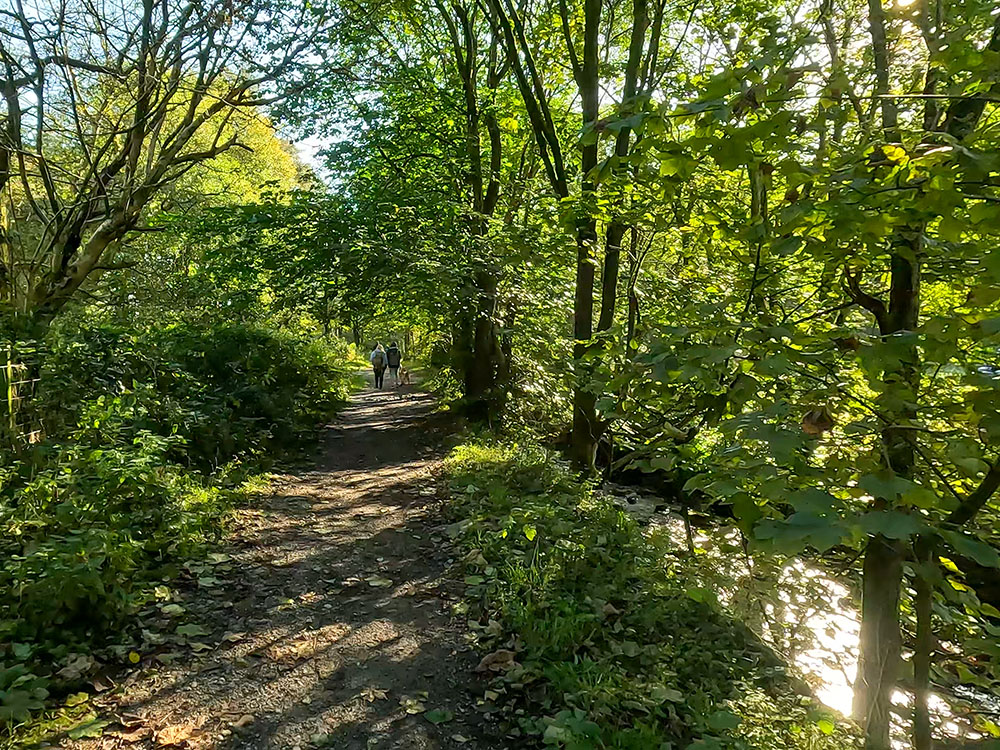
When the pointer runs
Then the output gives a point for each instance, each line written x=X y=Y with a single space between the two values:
x=379 y=362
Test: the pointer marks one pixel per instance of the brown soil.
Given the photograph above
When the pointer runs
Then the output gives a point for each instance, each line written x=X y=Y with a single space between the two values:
x=330 y=624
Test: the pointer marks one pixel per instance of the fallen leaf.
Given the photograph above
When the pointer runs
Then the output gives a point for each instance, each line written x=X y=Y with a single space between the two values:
x=190 y=631
x=412 y=705
x=233 y=637
x=172 y=610
x=77 y=698
x=175 y=734
x=439 y=715
x=502 y=660
x=77 y=665
x=609 y=610
x=133 y=656
x=243 y=720
x=102 y=683
x=379 y=582
x=460 y=739
x=134 y=736
x=372 y=694
x=92 y=727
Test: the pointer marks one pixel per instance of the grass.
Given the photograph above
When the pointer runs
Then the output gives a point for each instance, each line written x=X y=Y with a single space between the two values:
x=616 y=644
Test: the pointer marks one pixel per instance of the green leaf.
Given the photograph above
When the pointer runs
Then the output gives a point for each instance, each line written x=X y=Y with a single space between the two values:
x=92 y=728
x=786 y=246
x=884 y=484
x=803 y=529
x=972 y=548
x=190 y=631
x=439 y=715
x=659 y=694
x=723 y=721
x=891 y=524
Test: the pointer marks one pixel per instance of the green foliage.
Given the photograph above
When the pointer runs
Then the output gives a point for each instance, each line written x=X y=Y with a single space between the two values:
x=617 y=646
x=150 y=435
x=221 y=391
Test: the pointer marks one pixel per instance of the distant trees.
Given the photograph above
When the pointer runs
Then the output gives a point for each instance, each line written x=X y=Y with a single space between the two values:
x=105 y=105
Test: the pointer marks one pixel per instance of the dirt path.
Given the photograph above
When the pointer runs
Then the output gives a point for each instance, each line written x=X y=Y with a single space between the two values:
x=330 y=624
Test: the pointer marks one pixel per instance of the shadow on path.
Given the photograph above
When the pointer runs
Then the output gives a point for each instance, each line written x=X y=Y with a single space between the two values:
x=327 y=622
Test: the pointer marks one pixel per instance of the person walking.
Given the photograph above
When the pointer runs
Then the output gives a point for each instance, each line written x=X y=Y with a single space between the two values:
x=392 y=358
x=379 y=362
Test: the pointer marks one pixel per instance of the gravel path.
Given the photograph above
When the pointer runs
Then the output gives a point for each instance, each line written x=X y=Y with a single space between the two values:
x=325 y=621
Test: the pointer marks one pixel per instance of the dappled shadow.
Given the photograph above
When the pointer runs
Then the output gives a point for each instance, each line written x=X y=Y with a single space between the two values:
x=330 y=622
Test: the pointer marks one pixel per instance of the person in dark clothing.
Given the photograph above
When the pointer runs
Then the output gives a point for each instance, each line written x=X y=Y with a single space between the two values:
x=393 y=357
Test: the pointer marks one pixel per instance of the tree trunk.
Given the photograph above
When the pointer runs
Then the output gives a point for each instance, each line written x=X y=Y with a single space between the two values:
x=633 y=296
x=879 y=657
x=609 y=276
x=586 y=428
x=616 y=227
x=480 y=378
x=922 y=604
x=878 y=665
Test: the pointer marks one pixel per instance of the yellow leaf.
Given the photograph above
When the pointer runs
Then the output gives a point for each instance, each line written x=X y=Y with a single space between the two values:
x=894 y=153
x=133 y=657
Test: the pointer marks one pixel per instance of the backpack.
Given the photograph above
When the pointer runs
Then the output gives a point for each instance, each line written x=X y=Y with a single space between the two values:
x=392 y=356
x=378 y=360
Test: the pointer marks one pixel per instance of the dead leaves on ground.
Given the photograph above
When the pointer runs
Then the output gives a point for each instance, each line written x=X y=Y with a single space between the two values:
x=189 y=735
x=502 y=660
x=372 y=694
x=174 y=735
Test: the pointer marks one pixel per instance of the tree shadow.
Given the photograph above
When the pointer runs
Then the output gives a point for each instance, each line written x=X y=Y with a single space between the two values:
x=332 y=626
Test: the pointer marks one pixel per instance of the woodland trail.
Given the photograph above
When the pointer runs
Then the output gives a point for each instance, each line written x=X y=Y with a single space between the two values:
x=330 y=625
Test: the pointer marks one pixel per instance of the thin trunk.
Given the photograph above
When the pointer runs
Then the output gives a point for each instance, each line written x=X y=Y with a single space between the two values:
x=878 y=666
x=616 y=227
x=586 y=429
x=633 y=297
x=922 y=604
x=477 y=343
x=879 y=658
x=481 y=375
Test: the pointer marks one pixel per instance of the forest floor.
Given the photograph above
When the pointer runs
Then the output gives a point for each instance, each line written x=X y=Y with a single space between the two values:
x=328 y=621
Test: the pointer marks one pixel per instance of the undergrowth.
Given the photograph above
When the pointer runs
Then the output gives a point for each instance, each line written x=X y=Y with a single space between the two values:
x=151 y=438
x=614 y=644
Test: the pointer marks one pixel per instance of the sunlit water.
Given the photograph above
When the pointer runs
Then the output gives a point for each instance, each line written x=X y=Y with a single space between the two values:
x=802 y=612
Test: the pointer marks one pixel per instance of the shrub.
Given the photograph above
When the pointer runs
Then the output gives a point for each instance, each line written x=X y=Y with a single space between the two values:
x=148 y=435
x=617 y=647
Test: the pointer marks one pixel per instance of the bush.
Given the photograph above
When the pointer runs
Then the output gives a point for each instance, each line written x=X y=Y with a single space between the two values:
x=148 y=436
x=617 y=647
x=226 y=390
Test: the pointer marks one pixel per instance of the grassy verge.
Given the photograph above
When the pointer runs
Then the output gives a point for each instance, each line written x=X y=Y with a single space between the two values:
x=598 y=637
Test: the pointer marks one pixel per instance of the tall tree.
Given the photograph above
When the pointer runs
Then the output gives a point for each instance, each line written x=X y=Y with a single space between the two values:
x=105 y=105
